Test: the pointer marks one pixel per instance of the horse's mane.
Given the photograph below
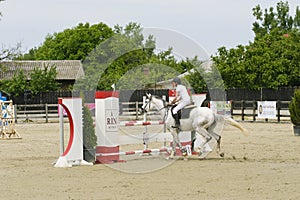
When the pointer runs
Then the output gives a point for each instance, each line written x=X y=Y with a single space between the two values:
x=158 y=97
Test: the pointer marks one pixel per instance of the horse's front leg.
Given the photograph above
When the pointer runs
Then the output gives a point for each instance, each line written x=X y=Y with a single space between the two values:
x=175 y=143
x=173 y=151
x=176 y=140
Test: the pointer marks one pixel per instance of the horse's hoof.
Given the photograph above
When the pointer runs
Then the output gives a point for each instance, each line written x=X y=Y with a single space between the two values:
x=222 y=154
x=208 y=139
x=200 y=153
x=169 y=158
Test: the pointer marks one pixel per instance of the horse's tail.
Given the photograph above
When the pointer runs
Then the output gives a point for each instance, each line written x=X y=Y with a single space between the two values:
x=237 y=125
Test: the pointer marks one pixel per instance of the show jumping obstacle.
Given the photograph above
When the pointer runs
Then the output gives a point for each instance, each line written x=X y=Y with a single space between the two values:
x=143 y=123
x=107 y=130
x=73 y=154
x=7 y=123
x=136 y=152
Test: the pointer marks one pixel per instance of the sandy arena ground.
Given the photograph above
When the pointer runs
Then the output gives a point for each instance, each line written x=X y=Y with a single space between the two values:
x=264 y=165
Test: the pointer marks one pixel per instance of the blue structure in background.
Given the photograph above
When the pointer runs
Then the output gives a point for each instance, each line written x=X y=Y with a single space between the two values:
x=2 y=98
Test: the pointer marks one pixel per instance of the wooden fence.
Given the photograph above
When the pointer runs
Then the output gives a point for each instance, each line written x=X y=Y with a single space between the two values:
x=247 y=110
x=36 y=113
x=131 y=109
x=240 y=110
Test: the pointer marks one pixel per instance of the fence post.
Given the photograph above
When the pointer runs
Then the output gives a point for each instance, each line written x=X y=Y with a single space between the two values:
x=15 y=113
x=278 y=111
x=46 y=110
x=231 y=108
x=254 y=108
x=165 y=126
x=136 y=110
x=243 y=109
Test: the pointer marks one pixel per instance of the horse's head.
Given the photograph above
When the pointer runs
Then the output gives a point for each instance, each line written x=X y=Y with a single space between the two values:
x=146 y=105
x=152 y=102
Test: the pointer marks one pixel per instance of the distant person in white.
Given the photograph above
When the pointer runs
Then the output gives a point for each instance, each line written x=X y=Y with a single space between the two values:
x=182 y=98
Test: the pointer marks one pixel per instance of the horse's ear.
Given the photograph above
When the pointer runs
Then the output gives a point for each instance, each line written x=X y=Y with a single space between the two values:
x=148 y=95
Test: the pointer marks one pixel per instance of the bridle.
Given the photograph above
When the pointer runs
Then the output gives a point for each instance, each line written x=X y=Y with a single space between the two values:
x=143 y=109
x=165 y=106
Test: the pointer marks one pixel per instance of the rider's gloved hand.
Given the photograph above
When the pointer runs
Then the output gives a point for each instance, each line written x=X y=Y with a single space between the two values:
x=169 y=104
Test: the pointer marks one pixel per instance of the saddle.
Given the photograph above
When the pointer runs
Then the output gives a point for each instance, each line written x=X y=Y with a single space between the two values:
x=184 y=113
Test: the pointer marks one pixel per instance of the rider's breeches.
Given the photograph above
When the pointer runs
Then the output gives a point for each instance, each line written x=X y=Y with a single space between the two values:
x=180 y=106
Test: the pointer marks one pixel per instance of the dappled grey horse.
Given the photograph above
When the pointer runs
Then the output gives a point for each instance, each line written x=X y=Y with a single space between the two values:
x=201 y=119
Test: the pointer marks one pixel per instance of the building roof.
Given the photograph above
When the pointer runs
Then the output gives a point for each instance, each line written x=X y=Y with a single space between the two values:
x=66 y=69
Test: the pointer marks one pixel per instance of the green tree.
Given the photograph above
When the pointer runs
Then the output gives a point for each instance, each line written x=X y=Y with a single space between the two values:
x=196 y=76
x=109 y=55
x=89 y=136
x=16 y=85
x=43 y=80
x=71 y=44
x=272 y=59
x=272 y=19
x=114 y=57
x=129 y=61
x=294 y=108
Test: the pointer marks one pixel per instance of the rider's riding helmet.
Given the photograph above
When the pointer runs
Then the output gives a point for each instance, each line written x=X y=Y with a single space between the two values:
x=177 y=80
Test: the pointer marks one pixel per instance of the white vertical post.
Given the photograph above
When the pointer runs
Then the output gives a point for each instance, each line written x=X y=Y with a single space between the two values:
x=145 y=114
x=61 y=129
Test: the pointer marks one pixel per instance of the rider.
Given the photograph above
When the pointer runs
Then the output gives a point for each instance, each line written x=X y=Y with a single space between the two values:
x=182 y=97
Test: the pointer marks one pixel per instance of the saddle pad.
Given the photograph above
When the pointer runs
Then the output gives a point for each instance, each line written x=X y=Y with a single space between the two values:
x=185 y=112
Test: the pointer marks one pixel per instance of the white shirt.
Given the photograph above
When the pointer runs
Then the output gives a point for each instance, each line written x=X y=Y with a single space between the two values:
x=182 y=92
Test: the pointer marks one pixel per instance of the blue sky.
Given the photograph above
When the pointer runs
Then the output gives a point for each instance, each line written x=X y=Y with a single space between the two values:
x=211 y=24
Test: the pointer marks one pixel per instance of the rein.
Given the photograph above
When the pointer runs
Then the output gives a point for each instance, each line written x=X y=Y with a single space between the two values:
x=159 y=109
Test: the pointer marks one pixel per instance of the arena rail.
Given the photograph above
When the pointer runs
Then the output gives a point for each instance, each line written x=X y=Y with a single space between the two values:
x=130 y=109
x=244 y=110
x=36 y=112
x=247 y=110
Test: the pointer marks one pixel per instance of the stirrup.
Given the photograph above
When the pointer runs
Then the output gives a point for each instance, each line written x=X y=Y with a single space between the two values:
x=176 y=126
x=178 y=129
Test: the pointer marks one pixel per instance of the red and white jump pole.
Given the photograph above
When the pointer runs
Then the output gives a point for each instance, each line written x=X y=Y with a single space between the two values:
x=141 y=123
x=125 y=153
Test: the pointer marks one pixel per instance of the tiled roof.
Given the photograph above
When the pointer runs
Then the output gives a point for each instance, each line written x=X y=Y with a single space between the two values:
x=66 y=69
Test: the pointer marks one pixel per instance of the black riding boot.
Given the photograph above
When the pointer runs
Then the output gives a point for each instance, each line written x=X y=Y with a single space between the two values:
x=177 y=122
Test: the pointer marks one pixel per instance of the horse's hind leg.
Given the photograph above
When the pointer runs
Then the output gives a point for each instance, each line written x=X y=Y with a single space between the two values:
x=202 y=131
x=217 y=137
x=210 y=130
